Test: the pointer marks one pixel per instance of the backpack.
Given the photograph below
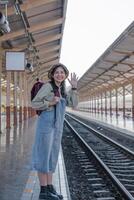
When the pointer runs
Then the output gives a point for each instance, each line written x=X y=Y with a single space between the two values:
x=36 y=87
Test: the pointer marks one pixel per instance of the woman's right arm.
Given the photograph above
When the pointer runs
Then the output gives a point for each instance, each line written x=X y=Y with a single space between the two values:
x=43 y=98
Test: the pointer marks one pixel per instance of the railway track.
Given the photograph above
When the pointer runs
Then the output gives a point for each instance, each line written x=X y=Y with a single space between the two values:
x=116 y=135
x=110 y=172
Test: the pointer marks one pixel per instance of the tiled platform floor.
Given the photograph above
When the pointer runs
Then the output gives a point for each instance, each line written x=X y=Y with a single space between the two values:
x=124 y=125
x=15 y=158
x=31 y=191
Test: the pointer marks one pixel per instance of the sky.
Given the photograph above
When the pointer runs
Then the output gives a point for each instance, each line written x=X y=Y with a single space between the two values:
x=91 y=26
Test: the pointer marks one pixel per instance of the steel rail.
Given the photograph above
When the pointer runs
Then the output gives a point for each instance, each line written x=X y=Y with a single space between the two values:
x=113 y=178
x=131 y=153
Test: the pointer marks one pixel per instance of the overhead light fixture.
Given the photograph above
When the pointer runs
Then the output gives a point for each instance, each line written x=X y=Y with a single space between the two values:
x=4 y=24
x=29 y=66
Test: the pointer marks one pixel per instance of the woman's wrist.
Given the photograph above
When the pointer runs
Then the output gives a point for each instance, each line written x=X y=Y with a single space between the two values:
x=51 y=104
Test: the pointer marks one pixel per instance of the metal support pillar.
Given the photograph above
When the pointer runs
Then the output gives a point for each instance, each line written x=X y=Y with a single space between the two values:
x=116 y=102
x=29 y=86
x=133 y=100
x=0 y=83
x=98 y=104
x=8 y=112
x=105 y=103
x=92 y=103
x=25 y=97
x=95 y=104
x=20 y=96
x=15 y=98
x=101 y=103
x=110 y=102
x=124 y=109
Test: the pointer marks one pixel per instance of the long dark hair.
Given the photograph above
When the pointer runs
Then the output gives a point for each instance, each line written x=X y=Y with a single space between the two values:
x=62 y=86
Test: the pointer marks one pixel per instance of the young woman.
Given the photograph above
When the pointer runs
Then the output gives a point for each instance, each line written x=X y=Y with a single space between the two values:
x=51 y=100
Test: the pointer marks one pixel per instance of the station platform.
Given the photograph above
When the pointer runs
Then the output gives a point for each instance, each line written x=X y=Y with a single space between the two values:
x=31 y=191
x=124 y=125
x=17 y=180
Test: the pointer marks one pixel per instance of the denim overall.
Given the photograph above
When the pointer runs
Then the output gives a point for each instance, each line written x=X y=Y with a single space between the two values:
x=48 y=138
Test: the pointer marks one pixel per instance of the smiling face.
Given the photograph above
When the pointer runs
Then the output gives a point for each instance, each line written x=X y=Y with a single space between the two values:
x=59 y=75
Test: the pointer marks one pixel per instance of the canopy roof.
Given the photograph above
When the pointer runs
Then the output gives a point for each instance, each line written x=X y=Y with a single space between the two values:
x=114 y=68
x=36 y=28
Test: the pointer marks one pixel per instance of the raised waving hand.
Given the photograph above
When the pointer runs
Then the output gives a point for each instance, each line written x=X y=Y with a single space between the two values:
x=73 y=80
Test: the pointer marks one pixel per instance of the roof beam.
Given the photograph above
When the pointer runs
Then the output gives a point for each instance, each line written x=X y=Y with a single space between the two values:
x=50 y=49
x=48 y=64
x=124 y=52
x=47 y=54
x=118 y=62
x=30 y=4
x=112 y=85
x=32 y=29
x=47 y=51
x=45 y=67
x=46 y=59
x=101 y=88
x=120 y=75
x=47 y=39
x=41 y=41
